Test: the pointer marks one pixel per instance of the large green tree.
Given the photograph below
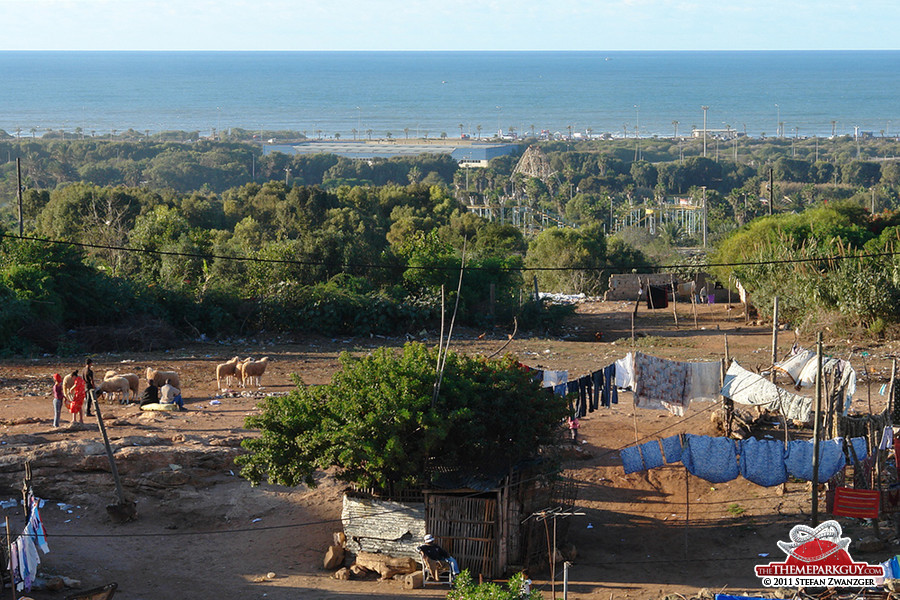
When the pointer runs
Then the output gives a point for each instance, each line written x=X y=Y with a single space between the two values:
x=377 y=423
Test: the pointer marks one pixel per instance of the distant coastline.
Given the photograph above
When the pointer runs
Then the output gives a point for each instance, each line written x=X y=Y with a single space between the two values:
x=479 y=94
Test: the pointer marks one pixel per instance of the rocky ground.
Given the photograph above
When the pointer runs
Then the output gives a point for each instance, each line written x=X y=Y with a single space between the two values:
x=204 y=532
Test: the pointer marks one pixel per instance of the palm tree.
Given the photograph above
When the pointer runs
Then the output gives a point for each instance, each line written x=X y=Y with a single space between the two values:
x=833 y=124
x=388 y=135
x=337 y=136
x=478 y=129
x=675 y=125
x=461 y=128
x=444 y=135
x=532 y=130
x=354 y=133
x=590 y=131
x=406 y=132
x=369 y=134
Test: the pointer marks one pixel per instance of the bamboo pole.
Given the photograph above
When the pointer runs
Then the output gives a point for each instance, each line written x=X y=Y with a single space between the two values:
x=694 y=302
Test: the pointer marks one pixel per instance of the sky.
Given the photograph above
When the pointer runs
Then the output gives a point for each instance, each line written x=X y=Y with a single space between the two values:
x=449 y=24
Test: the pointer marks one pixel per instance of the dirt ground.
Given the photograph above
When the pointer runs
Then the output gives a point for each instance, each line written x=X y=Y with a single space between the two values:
x=202 y=532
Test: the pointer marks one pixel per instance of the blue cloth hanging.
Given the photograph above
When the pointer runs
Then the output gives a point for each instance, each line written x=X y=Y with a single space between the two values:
x=672 y=447
x=799 y=455
x=762 y=462
x=653 y=457
x=631 y=459
x=711 y=458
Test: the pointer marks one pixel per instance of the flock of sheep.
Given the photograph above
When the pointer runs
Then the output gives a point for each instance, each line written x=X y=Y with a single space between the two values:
x=125 y=386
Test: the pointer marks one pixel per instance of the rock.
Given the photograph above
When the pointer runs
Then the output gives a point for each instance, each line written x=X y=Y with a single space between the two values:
x=342 y=574
x=340 y=538
x=706 y=594
x=784 y=593
x=413 y=581
x=386 y=566
x=869 y=544
x=270 y=575
x=892 y=585
x=359 y=570
x=334 y=557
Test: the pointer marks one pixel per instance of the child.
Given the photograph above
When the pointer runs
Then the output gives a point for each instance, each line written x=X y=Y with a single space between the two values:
x=573 y=428
x=57 y=398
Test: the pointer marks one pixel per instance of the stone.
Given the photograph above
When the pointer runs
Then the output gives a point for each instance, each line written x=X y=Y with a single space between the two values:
x=413 y=581
x=386 y=566
x=359 y=570
x=342 y=574
x=340 y=538
x=334 y=557
x=784 y=593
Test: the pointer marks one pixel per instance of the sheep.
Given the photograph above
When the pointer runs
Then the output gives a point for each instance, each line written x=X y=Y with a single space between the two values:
x=114 y=385
x=226 y=370
x=134 y=382
x=159 y=378
x=254 y=370
x=239 y=370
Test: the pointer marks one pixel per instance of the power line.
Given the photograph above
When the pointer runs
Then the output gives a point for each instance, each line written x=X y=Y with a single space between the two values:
x=622 y=267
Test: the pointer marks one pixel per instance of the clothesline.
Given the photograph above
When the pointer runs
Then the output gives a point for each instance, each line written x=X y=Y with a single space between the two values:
x=765 y=462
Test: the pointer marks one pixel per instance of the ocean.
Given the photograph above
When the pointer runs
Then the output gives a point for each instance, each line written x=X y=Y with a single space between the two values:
x=476 y=93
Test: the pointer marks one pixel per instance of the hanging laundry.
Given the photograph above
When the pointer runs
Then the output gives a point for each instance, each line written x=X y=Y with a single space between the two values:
x=799 y=459
x=706 y=381
x=762 y=462
x=585 y=384
x=793 y=365
x=560 y=389
x=672 y=447
x=597 y=389
x=749 y=388
x=610 y=393
x=711 y=458
x=652 y=455
x=631 y=459
x=624 y=372
x=660 y=383
x=554 y=378
x=887 y=438
x=860 y=447
x=857 y=504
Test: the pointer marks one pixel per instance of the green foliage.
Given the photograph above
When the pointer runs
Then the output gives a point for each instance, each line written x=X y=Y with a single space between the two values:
x=465 y=588
x=376 y=424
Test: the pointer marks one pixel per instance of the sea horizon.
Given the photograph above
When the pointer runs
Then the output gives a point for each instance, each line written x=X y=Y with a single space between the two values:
x=479 y=93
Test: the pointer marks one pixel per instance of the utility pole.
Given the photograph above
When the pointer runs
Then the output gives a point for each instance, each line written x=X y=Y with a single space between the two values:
x=704 y=215
x=771 y=190
x=705 y=108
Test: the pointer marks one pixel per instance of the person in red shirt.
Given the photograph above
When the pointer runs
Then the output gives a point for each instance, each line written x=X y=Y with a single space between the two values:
x=77 y=393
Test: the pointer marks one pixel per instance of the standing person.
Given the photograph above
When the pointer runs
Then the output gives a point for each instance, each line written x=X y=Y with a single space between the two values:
x=87 y=373
x=57 y=398
x=76 y=394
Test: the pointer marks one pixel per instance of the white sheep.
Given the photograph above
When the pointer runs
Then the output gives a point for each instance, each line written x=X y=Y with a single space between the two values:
x=253 y=371
x=134 y=382
x=114 y=386
x=239 y=370
x=159 y=377
x=226 y=370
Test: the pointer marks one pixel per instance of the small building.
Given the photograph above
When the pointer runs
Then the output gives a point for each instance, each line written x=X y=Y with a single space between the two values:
x=466 y=153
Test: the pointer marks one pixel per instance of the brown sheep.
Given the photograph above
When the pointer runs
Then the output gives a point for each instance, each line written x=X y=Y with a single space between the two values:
x=159 y=377
x=114 y=385
x=134 y=382
x=253 y=371
x=226 y=370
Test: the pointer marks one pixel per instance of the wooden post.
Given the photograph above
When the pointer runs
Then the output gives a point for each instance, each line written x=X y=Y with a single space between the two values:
x=694 y=301
x=687 y=508
x=674 y=301
x=109 y=453
x=19 y=194
x=891 y=406
x=815 y=473
x=637 y=303
x=727 y=402
x=9 y=553
x=774 y=337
